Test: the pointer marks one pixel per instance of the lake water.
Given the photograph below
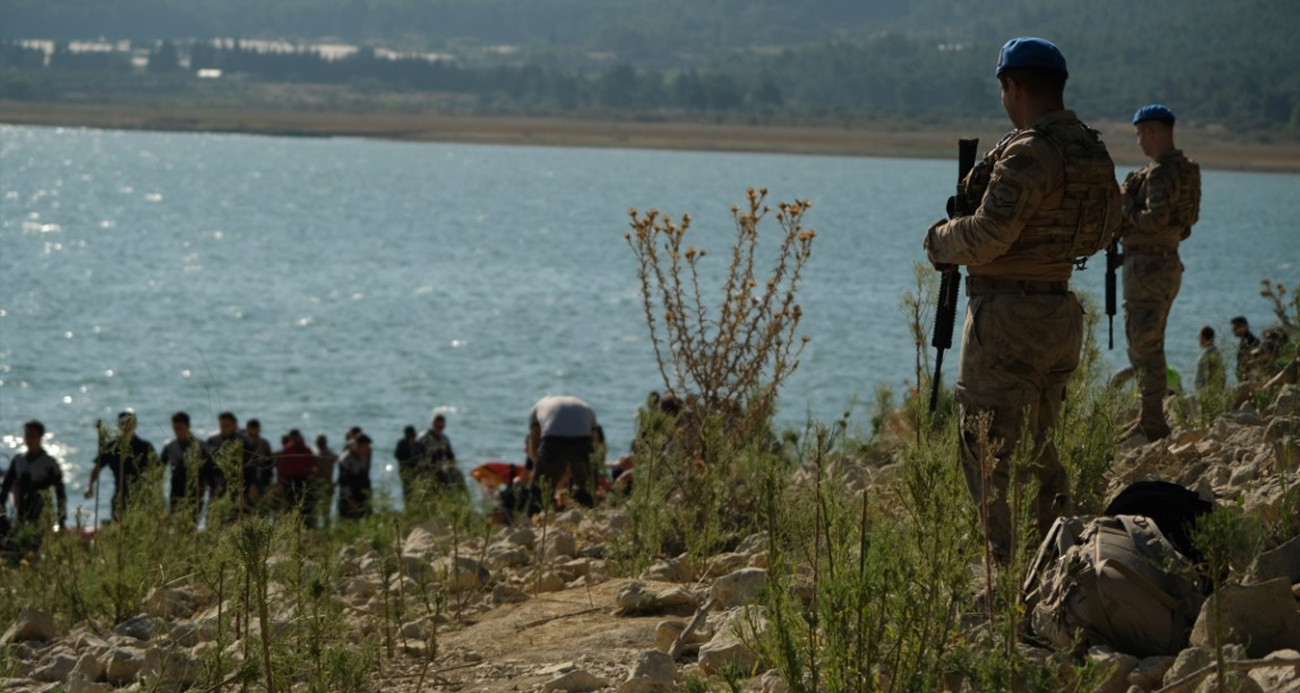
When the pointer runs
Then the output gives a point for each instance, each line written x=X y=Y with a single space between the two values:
x=326 y=283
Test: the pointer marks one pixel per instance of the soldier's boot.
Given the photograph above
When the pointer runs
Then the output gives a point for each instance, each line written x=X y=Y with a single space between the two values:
x=1151 y=423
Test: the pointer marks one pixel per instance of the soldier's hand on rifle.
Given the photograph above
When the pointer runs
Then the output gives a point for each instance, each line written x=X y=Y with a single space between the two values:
x=929 y=255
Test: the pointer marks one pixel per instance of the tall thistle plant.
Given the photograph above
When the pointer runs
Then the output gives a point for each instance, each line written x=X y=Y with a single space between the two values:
x=731 y=360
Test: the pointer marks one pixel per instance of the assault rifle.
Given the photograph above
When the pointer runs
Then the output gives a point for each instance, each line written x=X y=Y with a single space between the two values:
x=1114 y=260
x=945 y=316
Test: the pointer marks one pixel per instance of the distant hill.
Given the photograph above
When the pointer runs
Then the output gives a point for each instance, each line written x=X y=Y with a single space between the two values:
x=1227 y=63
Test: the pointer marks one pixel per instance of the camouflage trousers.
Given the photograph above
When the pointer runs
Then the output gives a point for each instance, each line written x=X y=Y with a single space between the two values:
x=1150 y=284
x=1018 y=352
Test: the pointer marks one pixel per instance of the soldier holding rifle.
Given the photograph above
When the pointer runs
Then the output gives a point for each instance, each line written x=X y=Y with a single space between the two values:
x=1161 y=202
x=1043 y=199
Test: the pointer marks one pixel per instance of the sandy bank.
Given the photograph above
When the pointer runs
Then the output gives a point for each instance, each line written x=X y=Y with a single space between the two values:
x=1212 y=149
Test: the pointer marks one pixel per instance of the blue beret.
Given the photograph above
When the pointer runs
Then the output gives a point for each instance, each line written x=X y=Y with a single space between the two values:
x=1028 y=53
x=1153 y=112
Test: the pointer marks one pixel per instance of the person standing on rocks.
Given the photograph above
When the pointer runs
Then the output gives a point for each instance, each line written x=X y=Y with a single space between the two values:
x=231 y=448
x=354 y=479
x=326 y=460
x=1210 y=374
x=434 y=461
x=190 y=463
x=295 y=471
x=1043 y=198
x=31 y=474
x=561 y=429
x=127 y=457
x=259 y=469
x=1161 y=202
x=1246 y=346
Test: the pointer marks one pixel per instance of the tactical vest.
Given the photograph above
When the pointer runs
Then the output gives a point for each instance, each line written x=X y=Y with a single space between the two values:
x=1187 y=208
x=1089 y=213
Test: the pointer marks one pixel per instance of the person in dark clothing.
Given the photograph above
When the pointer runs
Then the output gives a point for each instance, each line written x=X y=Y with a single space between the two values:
x=435 y=460
x=127 y=457
x=354 y=479
x=229 y=447
x=404 y=453
x=31 y=474
x=188 y=459
x=324 y=493
x=1249 y=342
x=295 y=467
x=259 y=470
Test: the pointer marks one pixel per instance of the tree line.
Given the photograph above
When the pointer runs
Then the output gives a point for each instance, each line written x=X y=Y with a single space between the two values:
x=891 y=75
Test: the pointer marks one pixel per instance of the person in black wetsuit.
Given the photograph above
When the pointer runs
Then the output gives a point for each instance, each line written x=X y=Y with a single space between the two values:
x=127 y=457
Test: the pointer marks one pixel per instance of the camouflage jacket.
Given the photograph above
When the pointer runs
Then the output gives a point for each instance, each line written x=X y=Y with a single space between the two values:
x=1038 y=192
x=1162 y=200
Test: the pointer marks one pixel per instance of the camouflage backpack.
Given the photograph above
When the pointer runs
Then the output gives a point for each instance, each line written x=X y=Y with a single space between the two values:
x=1112 y=581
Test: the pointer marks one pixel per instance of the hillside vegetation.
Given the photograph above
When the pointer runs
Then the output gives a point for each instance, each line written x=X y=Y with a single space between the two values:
x=1223 y=64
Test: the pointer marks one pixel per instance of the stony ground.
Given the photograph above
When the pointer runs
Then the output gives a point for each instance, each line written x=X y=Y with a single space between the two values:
x=535 y=609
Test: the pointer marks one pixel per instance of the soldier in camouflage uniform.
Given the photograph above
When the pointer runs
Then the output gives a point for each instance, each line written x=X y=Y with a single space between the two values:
x=1044 y=197
x=1162 y=201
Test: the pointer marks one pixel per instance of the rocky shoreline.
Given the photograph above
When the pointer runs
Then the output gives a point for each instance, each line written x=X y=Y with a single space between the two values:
x=539 y=608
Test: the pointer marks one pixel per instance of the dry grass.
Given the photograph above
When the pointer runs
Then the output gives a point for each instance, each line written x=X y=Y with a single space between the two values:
x=1213 y=150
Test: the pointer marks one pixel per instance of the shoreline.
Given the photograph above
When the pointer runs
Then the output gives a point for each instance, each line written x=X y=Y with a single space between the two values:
x=1212 y=150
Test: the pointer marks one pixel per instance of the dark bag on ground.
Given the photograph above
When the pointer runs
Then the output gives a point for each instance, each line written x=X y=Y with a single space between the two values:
x=1174 y=508
x=1113 y=581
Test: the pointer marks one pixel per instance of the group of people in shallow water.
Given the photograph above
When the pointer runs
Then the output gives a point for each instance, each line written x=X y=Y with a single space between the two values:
x=564 y=451
x=236 y=464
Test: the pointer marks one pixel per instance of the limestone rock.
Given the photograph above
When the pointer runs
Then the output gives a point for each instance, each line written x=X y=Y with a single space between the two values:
x=460 y=573
x=654 y=671
x=666 y=633
x=771 y=682
x=138 y=627
x=560 y=543
x=123 y=664
x=1264 y=617
x=634 y=598
x=506 y=593
x=729 y=649
x=32 y=624
x=1189 y=660
x=679 y=569
x=422 y=540
x=1283 y=679
x=89 y=667
x=189 y=633
x=578 y=681
x=78 y=683
x=739 y=587
x=1282 y=562
x=355 y=587
x=1150 y=672
x=1234 y=682
x=725 y=563
x=506 y=555
x=579 y=567
x=56 y=668
x=523 y=536
x=569 y=518
x=1115 y=668
x=1270 y=500
x=168 y=603
x=1282 y=427
x=549 y=582
x=1287 y=402
x=171 y=664
x=678 y=598
x=753 y=544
